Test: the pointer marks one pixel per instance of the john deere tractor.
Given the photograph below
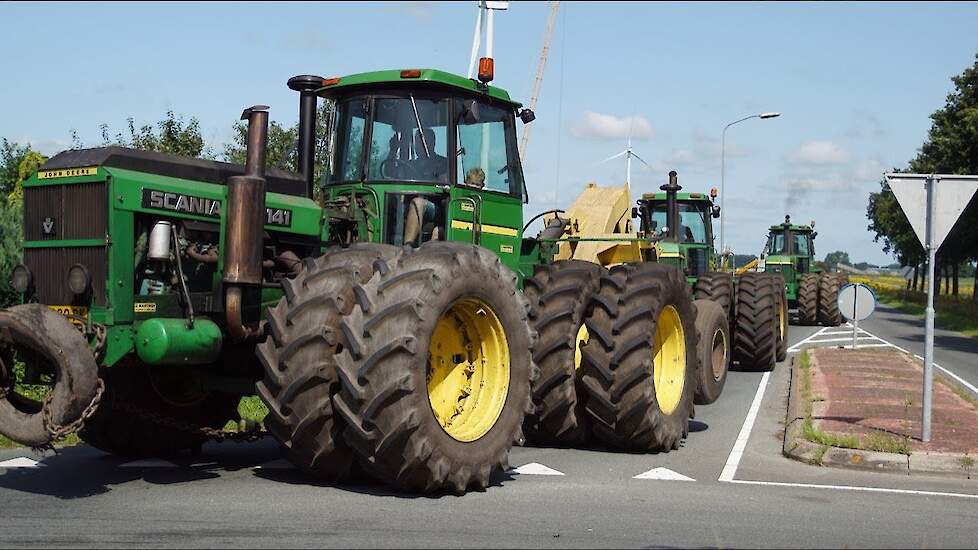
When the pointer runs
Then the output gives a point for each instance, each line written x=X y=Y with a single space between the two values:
x=790 y=252
x=383 y=325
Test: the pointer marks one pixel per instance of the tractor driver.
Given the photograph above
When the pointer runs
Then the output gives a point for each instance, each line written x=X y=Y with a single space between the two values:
x=428 y=164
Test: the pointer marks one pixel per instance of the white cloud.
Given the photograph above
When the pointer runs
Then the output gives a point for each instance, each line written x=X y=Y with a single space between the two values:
x=604 y=127
x=868 y=170
x=47 y=147
x=821 y=153
x=421 y=12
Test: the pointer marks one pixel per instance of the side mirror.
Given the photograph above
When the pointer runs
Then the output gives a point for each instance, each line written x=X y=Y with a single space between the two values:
x=527 y=116
x=716 y=211
x=814 y=234
x=470 y=112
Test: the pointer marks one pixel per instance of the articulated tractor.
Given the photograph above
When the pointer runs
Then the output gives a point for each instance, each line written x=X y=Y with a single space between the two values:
x=396 y=321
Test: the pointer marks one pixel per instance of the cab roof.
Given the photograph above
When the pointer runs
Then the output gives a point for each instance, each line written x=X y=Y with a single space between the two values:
x=682 y=197
x=426 y=77
x=792 y=227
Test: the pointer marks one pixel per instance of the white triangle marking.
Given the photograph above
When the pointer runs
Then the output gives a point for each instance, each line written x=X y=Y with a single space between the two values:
x=280 y=464
x=950 y=198
x=149 y=463
x=20 y=462
x=535 y=469
x=663 y=473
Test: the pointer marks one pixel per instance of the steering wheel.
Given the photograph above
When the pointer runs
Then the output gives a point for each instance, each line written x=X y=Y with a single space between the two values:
x=396 y=168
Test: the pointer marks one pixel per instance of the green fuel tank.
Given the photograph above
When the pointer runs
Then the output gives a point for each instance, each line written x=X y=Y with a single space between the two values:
x=164 y=341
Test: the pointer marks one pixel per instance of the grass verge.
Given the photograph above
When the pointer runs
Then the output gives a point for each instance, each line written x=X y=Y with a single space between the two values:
x=959 y=313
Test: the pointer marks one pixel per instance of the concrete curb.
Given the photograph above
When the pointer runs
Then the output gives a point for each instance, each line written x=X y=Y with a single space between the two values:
x=798 y=448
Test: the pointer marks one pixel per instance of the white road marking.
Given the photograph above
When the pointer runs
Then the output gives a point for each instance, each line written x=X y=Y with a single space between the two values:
x=663 y=474
x=20 y=462
x=149 y=463
x=535 y=469
x=849 y=339
x=280 y=464
x=850 y=488
x=733 y=461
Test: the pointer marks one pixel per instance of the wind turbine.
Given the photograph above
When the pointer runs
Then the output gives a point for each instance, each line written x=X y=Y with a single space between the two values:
x=628 y=153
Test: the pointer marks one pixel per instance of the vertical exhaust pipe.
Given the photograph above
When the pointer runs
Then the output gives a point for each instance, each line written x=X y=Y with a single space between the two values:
x=672 y=205
x=244 y=227
x=306 y=85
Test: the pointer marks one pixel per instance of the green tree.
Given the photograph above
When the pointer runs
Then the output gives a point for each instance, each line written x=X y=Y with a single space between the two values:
x=10 y=244
x=29 y=163
x=11 y=154
x=833 y=259
x=172 y=135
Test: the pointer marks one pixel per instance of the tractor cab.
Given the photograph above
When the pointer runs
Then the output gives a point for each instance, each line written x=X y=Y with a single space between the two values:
x=683 y=222
x=790 y=246
x=420 y=155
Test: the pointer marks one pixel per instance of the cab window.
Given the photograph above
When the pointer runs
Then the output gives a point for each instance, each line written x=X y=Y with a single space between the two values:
x=801 y=244
x=487 y=157
x=692 y=222
x=409 y=140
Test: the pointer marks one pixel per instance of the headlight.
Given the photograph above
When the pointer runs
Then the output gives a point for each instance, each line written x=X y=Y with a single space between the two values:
x=21 y=278
x=79 y=281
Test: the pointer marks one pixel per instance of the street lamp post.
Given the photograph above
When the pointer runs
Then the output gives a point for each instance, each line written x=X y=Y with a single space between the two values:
x=723 y=145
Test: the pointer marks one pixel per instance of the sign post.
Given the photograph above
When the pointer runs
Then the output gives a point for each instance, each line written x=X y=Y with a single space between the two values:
x=856 y=303
x=932 y=210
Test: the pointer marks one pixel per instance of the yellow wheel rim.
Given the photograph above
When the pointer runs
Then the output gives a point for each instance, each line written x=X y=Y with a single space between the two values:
x=468 y=369
x=582 y=338
x=782 y=319
x=669 y=360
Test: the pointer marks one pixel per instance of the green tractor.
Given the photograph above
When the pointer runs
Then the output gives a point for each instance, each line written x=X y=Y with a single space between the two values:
x=746 y=315
x=790 y=252
x=392 y=326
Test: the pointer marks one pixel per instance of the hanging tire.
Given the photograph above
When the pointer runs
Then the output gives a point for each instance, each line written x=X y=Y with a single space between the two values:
x=828 y=299
x=808 y=299
x=640 y=361
x=713 y=351
x=781 y=297
x=300 y=377
x=151 y=411
x=33 y=333
x=559 y=294
x=436 y=369
x=717 y=287
x=756 y=332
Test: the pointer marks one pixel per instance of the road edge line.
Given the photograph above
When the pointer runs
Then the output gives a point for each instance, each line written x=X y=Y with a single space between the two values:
x=737 y=452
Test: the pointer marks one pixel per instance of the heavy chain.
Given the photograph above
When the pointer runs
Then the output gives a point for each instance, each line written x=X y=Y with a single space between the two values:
x=60 y=432
x=88 y=328
x=188 y=427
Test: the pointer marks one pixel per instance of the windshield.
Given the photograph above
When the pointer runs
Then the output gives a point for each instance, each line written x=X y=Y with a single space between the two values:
x=486 y=141
x=801 y=244
x=692 y=221
x=775 y=243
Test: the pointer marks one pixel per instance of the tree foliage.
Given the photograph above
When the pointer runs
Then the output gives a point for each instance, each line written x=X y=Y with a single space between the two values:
x=951 y=147
x=833 y=259
x=172 y=135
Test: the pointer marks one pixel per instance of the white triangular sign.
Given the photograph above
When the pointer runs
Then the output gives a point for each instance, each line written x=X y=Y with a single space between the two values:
x=20 y=462
x=535 y=469
x=663 y=473
x=951 y=196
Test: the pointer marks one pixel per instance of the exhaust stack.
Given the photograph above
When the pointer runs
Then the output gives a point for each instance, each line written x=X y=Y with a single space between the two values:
x=306 y=85
x=244 y=228
x=672 y=205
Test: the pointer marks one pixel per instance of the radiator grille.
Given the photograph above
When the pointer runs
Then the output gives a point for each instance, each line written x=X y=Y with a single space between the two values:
x=79 y=211
x=50 y=268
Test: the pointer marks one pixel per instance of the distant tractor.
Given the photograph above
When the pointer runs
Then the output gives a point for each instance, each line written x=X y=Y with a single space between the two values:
x=790 y=252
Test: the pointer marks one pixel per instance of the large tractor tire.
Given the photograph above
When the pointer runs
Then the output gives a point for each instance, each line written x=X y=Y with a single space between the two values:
x=436 y=369
x=717 y=287
x=828 y=299
x=298 y=356
x=713 y=351
x=808 y=299
x=756 y=330
x=781 y=296
x=640 y=361
x=149 y=411
x=559 y=294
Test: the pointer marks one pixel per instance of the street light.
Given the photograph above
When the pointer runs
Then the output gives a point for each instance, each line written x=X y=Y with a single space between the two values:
x=723 y=145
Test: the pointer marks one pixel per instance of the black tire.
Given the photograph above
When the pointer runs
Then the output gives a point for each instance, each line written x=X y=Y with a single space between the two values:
x=384 y=368
x=140 y=402
x=34 y=332
x=559 y=294
x=298 y=356
x=717 y=287
x=808 y=299
x=828 y=296
x=713 y=351
x=618 y=376
x=780 y=293
x=756 y=333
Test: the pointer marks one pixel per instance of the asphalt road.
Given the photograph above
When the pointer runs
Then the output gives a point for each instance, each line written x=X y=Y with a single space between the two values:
x=82 y=497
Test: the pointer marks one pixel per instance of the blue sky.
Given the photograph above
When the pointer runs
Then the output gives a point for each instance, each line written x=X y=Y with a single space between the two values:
x=855 y=84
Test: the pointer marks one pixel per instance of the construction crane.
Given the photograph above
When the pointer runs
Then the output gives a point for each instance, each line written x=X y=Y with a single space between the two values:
x=538 y=80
